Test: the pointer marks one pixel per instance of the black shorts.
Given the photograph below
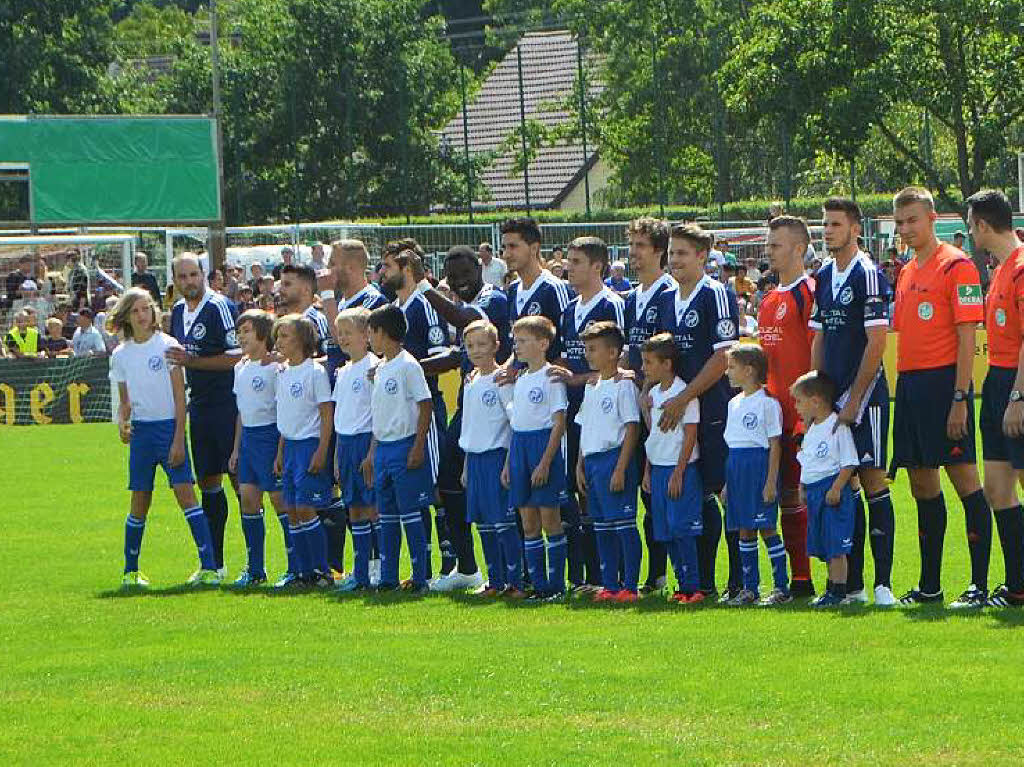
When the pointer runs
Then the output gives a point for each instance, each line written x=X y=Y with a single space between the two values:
x=211 y=435
x=572 y=447
x=449 y=476
x=923 y=400
x=995 y=396
x=713 y=452
x=871 y=435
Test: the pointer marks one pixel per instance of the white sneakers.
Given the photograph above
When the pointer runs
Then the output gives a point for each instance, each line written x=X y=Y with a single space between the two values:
x=884 y=597
x=456 y=581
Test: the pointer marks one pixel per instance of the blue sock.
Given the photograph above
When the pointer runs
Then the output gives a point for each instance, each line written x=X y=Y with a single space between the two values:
x=316 y=539
x=492 y=556
x=254 y=533
x=608 y=551
x=303 y=566
x=686 y=552
x=416 y=538
x=201 y=535
x=289 y=547
x=632 y=553
x=777 y=556
x=748 y=560
x=511 y=546
x=133 y=530
x=390 y=547
x=556 y=563
x=361 y=534
x=535 y=561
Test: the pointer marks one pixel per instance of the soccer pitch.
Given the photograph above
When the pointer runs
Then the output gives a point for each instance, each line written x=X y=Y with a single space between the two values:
x=178 y=676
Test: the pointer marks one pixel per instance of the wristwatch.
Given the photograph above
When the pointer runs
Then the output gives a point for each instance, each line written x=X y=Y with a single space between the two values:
x=1016 y=395
x=959 y=395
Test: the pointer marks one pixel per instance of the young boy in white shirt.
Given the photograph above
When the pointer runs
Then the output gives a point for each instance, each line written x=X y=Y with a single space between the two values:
x=828 y=459
x=535 y=470
x=353 y=425
x=753 y=431
x=606 y=470
x=256 y=441
x=401 y=410
x=304 y=419
x=671 y=475
x=484 y=439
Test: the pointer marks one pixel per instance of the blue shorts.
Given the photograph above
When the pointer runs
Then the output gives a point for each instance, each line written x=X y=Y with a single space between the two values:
x=150 y=445
x=995 y=396
x=486 y=498
x=923 y=401
x=211 y=435
x=395 y=485
x=256 y=453
x=525 y=452
x=602 y=504
x=299 y=486
x=713 y=453
x=746 y=470
x=674 y=518
x=829 y=528
x=350 y=452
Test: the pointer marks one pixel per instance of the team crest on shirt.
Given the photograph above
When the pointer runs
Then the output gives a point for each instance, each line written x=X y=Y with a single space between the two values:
x=532 y=308
x=199 y=331
x=357 y=385
x=925 y=310
x=607 y=404
x=846 y=295
x=536 y=395
x=822 y=449
x=156 y=362
x=750 y=420
x=726 y=328
x=295 y=389
x=258 y=383
x=651 y=316
x=391 y=386
x=691 y=318
x=1000 y=317
x=780 y=313
x=489 y=398
x=435 y=335
x=231 y=339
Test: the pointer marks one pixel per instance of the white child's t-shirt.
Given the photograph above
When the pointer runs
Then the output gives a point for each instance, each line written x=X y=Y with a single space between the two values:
x=353 y=394
x=301 y=389
x=144 y=369
x=824 y=452
x=753 y=421
x=485 y=424
x=398 y=387
x=608 y=406
x=255 y=391
x=536 y=398
x=663 y=447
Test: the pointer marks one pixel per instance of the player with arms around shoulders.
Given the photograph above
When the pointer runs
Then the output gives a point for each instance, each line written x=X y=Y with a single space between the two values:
x=151 y=421
x=990 y=218
x=938 y=307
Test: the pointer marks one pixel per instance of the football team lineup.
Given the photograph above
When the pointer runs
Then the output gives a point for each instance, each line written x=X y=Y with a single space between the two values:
x=577 y=406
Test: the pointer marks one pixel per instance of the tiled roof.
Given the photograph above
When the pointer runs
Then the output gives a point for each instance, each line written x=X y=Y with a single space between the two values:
x=549 y=72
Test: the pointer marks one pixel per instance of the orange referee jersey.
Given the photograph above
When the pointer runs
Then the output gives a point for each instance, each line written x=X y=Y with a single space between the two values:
x=931 y=300
x=1004 y=318
x=786 y=339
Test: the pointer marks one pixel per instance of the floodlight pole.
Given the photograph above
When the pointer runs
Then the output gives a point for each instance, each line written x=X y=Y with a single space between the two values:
x=217 y=236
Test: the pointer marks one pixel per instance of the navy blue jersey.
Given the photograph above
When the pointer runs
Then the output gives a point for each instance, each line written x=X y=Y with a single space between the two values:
x=369 y=298
x=207 y=332
x=845 y=304
x=547 y=296
x=427 y=333
x=702 y=323
x=490 y=304
x=642 y=318
x=324 y=339
x=577 y=317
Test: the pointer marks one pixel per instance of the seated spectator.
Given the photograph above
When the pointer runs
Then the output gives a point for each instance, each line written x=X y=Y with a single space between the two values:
x=617 y=280
x=556 y=269
x=510 y=276
x=727 y=272
x=76 y=277
x=287 y=256
x=216 y=281
x=748 y=323
x=23 y=338
x=54 y=344
x=100 y=323
x=231 y=282
x=87 y=341
x=42 y=278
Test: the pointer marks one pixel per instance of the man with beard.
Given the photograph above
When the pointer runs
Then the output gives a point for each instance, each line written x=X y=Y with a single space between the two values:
x=203 y=322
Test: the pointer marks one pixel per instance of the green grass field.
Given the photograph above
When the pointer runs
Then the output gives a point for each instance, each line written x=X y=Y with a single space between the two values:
x=179 y=677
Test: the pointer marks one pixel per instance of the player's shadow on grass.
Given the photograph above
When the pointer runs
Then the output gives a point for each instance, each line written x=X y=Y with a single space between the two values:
x=178 y=589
